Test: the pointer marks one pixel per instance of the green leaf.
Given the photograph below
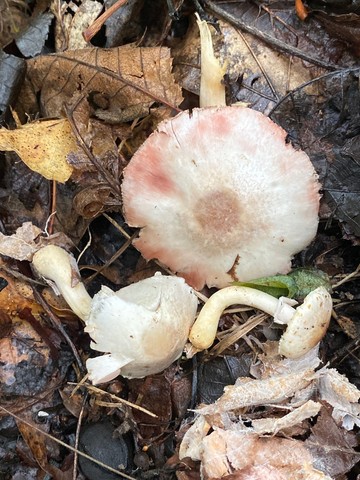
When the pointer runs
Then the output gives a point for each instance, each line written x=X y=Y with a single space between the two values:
x=307 y=279
x=277 y=285
x=299 y=283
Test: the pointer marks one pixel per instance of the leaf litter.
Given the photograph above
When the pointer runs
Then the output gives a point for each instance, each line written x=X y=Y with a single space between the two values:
x=113 y=99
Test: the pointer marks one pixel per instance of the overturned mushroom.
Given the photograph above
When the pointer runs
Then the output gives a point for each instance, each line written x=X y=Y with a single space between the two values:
x=220 y=196
x=306 y=325
x=142 y=328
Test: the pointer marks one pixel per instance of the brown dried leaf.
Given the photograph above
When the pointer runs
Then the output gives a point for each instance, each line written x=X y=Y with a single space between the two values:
x=153 y=394
x=16 y=296
x=27 y=240
x=116 y=80
x=331 y=446
x=37 y=442
x=21 y=245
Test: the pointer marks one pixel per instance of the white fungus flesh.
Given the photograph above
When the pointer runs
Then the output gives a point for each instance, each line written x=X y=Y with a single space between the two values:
x=220 y=196
x=143 y=327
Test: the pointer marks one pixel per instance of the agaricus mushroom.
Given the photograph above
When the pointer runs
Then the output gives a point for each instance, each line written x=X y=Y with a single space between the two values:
x=142 y=328
x=306 y=325
x=221 y=196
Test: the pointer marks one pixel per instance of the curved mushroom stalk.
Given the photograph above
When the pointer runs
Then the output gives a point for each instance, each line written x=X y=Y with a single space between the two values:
x=56 y=264
x=142 y=328
x=306 y=325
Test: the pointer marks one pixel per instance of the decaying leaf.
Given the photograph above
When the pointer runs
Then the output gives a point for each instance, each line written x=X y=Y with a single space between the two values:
x=331 y=445
x=27 y=240
x=120 y=83
x=32 y=39
x=71 y=21
x=16 y=296
x=192 y=442
x=249 y=392
x=275 y=425
x=24 y=358
x=226 y=451
x=325 y=126
x=37 y=443
x=345 y=26
x=342 y=395
x=284 y=392
x=43 y=146
x=21 y=245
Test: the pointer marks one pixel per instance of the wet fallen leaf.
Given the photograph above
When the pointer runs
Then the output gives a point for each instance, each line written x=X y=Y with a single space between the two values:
x=121 y=83
x=325 y=126
x=346 y=27
x=43 y=146
x=331 y=446
x=154 y=394
x=37 y=442
x=21 y=245
x=16 y=295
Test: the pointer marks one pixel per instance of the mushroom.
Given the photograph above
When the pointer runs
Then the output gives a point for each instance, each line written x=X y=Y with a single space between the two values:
x=218 y=193
x=307 y=324
x=220 y=196
x=142 y=328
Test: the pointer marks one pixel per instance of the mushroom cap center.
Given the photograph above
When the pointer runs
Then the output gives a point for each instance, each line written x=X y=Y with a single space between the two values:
x=217 y=216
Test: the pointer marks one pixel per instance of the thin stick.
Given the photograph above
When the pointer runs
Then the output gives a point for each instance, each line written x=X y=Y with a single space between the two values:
x=89 y=33
x=94 y=389
x=348 y=277
x=238 y=333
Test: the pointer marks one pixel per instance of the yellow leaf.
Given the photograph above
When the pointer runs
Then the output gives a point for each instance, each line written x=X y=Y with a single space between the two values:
x=43 y=146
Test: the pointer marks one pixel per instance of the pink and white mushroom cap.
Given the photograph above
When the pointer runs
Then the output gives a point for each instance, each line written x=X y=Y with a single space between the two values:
x=220 y=196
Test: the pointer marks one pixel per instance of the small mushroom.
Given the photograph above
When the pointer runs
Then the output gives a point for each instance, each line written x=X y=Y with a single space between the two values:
x=142 y=328
x=307 y=324
x=220 y=196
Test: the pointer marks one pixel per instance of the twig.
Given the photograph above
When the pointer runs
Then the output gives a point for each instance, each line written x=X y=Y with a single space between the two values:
x=348 y=278
x=77 y=435
x=94 y=389
x=56 y=322
x=99 y=22
x=237 y=334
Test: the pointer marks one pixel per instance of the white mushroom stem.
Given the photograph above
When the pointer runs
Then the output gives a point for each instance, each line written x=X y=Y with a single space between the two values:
x=307 y=324
x=55 y=264
x=204 y=330
x=212 y=88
